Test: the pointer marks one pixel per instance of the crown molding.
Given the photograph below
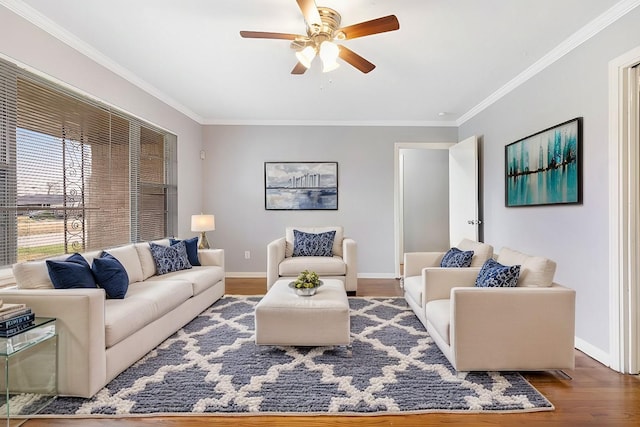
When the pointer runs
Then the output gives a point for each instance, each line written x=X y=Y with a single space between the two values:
x=55 y=30
x=388 y=123
x=576 y=39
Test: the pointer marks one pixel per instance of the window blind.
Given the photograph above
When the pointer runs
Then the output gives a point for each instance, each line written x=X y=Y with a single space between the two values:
x=77 y=175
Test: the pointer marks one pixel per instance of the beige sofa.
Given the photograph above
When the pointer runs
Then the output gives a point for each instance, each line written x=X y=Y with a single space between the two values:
x=100 y=337
x=342 y=265
x=529 y=327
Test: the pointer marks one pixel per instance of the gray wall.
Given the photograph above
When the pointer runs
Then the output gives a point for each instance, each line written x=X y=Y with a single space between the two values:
x=425 y=199
x=24 y=43
x=575 y=236
x=234 y=187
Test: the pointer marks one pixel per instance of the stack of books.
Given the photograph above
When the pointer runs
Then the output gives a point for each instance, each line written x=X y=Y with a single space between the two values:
x=14 y=318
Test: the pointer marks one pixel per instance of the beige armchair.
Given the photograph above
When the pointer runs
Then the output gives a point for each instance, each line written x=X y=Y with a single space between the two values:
x=529 y=327
x=341 y=265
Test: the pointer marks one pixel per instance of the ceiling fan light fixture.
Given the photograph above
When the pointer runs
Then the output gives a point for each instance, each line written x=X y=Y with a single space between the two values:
x=306 y=55
x=329 y=52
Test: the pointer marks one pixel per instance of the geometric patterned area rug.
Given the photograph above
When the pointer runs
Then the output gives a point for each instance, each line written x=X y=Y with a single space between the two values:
x=212 y=366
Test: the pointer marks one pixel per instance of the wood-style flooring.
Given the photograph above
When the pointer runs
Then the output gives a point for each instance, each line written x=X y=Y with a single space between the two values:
x=595 y=396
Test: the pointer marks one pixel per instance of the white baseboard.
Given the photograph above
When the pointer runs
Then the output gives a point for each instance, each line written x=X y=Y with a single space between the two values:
x=593 y=352
x=376 y=276
x=246 y=274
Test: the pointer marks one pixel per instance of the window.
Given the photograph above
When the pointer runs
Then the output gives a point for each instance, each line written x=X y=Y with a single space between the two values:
x=77 y=175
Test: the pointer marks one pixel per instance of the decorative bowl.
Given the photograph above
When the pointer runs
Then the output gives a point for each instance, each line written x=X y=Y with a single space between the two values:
x=304 y=292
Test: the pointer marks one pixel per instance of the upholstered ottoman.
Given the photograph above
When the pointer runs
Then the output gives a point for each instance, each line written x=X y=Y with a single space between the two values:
x=284 y=318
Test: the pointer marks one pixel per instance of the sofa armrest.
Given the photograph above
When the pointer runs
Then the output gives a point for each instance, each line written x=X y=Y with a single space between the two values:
x=517 y=328
x=439 y=281
x=81 y=333
x=414 y=262
x=275 y=255
x=211 y=257
x=350 y=258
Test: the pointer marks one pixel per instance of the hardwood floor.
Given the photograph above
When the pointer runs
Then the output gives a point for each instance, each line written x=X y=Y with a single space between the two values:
x=595 y=396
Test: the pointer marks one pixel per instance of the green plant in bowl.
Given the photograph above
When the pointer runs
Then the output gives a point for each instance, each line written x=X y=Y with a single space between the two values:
x=307 y=279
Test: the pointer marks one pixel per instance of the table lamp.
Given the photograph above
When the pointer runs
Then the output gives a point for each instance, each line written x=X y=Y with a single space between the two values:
x=203 y=223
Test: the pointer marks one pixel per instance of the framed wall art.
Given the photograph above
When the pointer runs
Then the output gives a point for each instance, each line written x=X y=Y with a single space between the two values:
x=301 y=185
x=545 y=168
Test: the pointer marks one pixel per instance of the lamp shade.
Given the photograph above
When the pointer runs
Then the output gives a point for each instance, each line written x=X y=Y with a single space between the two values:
x=203 y=223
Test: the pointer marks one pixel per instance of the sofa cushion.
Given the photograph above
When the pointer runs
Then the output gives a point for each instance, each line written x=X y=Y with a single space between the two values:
x=202 y=277
x=535 y=271
x=110 y=275
x=129 y=258
x=455 y=258
x=170 y=258
x=145 y=302
x=146 y=259
x=311 y=244
x=324 y=266
x=73 y=272
x=495 y=275
x=481 y=251
x=32 y=275
x=337 y=241
x=438 y=313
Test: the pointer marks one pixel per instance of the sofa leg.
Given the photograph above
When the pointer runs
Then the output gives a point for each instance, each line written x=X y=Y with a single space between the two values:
x=564 y=375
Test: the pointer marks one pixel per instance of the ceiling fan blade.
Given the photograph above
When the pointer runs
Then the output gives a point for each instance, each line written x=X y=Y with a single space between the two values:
x=299 y=69
x=375 y=26
x=310 y=12
x=266 y=35
x=356 y=60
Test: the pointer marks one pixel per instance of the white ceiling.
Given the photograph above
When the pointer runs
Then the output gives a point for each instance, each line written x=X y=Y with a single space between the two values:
x=449 y=56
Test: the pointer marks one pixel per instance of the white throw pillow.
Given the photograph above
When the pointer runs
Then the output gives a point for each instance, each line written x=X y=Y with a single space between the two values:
x=32 y=275
x=535 y=271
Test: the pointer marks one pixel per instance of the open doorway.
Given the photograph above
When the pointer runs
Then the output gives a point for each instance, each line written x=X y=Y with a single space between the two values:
x=415 y=154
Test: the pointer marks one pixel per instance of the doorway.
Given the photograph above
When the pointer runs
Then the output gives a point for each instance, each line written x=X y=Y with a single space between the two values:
x=624 y=190
x=399 y=178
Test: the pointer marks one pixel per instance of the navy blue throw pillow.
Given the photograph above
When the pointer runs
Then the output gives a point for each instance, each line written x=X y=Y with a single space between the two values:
x=192 y=249
x=111 y=275
x=73 y=272
x=457 y=258
x=169 y=258
x=495 y=275
x=310 y=244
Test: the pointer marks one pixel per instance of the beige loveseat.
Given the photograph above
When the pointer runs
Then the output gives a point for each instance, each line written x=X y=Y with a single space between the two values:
x=342 y=265
x=529 y=327
x=98 y=337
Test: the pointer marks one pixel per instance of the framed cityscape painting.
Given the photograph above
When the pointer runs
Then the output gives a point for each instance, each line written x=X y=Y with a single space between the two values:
x=545 y=168
x=301 y=185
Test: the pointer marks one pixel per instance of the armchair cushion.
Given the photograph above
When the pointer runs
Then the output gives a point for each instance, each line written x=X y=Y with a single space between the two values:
x=311 y=244
x=495 y=275
x=534 y=270
x=455 y=258
x=324 y=266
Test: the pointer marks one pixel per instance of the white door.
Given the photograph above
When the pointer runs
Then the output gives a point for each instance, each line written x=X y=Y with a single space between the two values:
x=463 y=191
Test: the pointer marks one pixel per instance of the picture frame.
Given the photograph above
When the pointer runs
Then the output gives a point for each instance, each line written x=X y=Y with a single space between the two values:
x=545 y=168
x=301 y=185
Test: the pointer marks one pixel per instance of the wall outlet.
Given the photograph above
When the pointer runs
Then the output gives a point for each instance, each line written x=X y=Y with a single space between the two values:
x=247 y=254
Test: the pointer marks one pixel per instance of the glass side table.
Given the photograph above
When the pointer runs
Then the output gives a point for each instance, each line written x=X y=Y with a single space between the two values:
x=30 y=378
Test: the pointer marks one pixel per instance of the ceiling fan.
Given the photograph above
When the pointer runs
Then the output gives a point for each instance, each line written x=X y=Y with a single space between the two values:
x=323 y=31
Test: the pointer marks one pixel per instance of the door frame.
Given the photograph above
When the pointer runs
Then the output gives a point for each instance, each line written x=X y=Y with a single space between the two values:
x=398 y=211
x=624 y=214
